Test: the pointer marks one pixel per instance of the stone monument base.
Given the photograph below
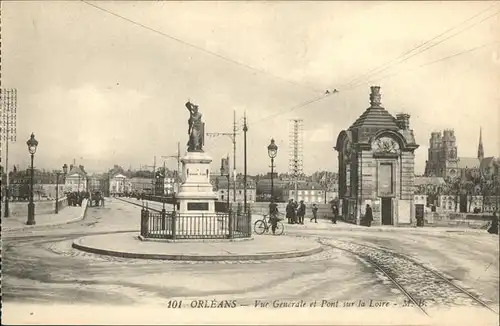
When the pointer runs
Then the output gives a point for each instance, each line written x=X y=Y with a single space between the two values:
x=196 y=196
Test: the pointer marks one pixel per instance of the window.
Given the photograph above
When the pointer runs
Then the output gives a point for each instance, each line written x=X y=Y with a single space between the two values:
x=222 y=197
x=312 y=192
x=385 y=179
x=306 y=192
x=240 y=192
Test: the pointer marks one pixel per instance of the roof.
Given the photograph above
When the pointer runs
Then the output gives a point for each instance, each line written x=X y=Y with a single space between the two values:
x=429 y=181
x=377 y=117
x=468 y=163
x=75 y=170
x=487 y=162
x=119 y=176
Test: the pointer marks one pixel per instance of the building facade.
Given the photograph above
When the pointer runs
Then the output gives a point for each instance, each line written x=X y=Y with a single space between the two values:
x=309 y=192
x=76 y=179
x=119 y=184
x=142 y=185
x=376 y=166
x=221 y=188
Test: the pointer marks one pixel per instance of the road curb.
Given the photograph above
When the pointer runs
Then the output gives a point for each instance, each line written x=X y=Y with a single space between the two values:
x=136 y=204
x=123 y=254
x=80 y=217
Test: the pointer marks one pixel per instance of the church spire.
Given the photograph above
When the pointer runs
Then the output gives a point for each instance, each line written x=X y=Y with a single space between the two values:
x=480 y=150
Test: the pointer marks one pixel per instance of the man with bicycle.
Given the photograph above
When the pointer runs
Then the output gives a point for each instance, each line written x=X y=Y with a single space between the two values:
x=273 y=215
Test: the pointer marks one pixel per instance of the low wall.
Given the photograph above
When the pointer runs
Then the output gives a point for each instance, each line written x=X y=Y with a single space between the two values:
x=20 y=208
x=474 y=221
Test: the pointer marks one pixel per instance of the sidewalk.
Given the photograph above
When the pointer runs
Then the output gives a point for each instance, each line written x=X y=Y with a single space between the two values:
x=67 y=215
x=128 y=245
x=343 y=226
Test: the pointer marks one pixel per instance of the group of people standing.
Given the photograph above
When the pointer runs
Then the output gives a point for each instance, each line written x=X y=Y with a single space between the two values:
x=76 y=198
x=295 y=212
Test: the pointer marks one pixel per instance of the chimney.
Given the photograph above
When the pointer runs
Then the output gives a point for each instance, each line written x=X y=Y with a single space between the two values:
x=375 y=96
x=403 y=121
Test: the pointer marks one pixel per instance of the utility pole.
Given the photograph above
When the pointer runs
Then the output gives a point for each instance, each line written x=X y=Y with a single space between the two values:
x=231 y=135
x=8 y=107
x=178 y=157
x=154 y=176
x=245 y=129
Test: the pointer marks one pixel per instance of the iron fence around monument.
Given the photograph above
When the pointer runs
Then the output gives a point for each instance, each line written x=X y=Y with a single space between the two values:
x=172 y=225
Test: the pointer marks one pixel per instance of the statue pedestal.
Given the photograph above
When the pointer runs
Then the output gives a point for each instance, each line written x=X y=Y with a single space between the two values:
x=196 y=196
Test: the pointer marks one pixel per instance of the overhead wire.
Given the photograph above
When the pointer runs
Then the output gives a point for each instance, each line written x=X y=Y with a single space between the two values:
x=408 y=54
x=355 y=85
x=220 y=56
x=425 y=64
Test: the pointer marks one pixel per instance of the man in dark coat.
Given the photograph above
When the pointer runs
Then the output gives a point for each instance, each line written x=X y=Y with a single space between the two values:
x=295 y=208
x=315 y=213
x=301 y=211
x=368 y=218
x=290 y=211
x=273 y=215
x=335 y=212
x=493 y=229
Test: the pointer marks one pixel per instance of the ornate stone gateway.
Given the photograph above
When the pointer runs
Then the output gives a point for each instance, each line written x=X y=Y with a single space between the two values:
x=376 y=166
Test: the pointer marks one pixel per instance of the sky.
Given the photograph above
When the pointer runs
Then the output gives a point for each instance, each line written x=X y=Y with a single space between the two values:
x=101 y=90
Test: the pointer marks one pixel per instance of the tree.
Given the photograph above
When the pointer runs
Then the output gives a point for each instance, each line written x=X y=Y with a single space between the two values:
x=454 y=187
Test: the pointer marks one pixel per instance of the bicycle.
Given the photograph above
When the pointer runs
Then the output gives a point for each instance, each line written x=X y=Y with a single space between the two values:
x=261 y=226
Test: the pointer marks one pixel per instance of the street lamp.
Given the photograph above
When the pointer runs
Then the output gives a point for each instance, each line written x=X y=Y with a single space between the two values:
x=58 y=173
x=272 y=150
x=32 y=144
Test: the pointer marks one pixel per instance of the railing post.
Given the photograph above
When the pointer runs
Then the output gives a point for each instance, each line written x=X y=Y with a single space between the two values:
x=144 y=222
x=249 y=219
x=230 y=217
x=174 y=224
x=163 y=219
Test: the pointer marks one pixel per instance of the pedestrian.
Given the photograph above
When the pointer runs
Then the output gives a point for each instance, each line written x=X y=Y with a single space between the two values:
x=294 y=216
x=301 y=211
x=289 y=211
x=273 y=215
x=335 y=212
x=368 y=218
x=493 y=229
x=102 y=200
x=315 y=213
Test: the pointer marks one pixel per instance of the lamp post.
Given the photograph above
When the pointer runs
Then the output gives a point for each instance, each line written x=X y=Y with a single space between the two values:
x=32 y=145
x=272 y=150
x=58 y=173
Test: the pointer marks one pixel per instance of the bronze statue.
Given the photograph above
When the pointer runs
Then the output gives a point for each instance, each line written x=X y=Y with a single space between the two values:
x=196 y=129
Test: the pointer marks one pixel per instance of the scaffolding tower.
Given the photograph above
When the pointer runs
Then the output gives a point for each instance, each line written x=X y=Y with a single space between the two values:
x=296 y=163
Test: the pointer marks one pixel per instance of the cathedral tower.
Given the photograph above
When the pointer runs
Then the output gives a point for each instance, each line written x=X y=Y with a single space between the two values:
x=480 y=149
